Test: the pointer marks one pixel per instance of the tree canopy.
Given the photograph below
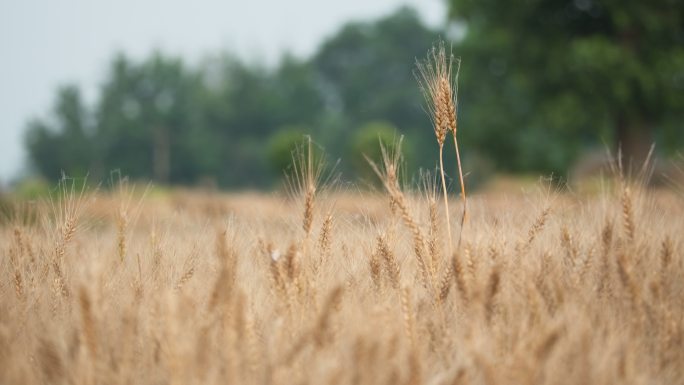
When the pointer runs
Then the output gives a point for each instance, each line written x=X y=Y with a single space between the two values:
x=162 y=120
x=553 y=76
x=541 y=82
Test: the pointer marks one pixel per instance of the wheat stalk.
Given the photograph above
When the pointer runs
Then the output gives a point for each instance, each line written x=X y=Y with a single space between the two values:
x=304 y=181
x=389 y=177
x=435 y=80
x=391 y=265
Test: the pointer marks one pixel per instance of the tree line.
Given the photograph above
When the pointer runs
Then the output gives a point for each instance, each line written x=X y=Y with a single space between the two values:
x=539 y=84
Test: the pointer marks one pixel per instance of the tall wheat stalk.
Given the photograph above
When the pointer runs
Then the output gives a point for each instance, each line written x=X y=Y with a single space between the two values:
x=439 y=87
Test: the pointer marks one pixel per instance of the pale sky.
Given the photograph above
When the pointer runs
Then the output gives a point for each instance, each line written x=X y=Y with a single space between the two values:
x=47 y=43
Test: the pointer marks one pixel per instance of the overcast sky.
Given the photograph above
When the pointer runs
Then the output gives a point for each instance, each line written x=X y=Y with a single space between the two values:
x=44 y=44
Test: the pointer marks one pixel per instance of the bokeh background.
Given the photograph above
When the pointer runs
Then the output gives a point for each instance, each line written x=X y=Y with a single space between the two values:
x=217 y=93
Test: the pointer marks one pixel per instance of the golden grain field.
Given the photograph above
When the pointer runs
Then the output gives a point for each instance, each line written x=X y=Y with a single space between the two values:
x=336 y=287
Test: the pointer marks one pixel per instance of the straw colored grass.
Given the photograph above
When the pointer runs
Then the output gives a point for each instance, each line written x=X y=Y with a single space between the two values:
x=550 y=290
x=546 y=287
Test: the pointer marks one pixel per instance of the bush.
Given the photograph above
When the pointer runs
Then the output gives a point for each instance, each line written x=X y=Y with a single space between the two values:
x=366 y=144
x=281 y=146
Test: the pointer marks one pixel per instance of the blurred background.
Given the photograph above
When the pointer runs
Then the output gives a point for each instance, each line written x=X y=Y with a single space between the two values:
x=217 y=93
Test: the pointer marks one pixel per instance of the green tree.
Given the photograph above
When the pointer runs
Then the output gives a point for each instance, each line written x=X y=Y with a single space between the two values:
x=149 y=120
x=158 y=119
x=543 y=78
x=62 y=143
x=367 y=68
x=366 y=146
x=245 y=104
x=281 y=145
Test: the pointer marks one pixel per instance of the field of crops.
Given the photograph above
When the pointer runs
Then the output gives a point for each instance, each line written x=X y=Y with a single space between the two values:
x=331 y=286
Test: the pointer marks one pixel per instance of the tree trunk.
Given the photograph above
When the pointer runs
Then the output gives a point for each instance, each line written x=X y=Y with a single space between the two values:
x=161 y=161
x=634 y=139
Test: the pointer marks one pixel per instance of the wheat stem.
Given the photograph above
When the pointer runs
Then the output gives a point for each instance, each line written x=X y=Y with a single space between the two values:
x=463 y=191
x=446 y=200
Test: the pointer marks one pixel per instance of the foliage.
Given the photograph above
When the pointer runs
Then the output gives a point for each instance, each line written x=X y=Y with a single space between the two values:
x=148 y=120
x=541 y=82
x=281 y=146
x=160 y=119
x=367 y=143
x=367 y=68
x=544 y=78
x=65 y=143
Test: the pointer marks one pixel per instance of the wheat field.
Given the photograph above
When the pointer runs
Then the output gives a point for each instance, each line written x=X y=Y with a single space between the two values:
x=332 y=286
